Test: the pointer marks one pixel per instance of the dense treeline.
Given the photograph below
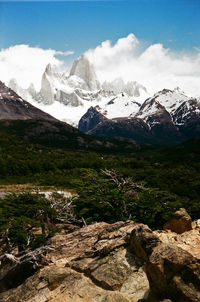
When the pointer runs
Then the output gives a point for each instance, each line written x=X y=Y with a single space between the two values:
x=156 y=181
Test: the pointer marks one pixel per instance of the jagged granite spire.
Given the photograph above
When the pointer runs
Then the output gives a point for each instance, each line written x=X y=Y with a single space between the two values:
x=46 y=91
x=85 y=70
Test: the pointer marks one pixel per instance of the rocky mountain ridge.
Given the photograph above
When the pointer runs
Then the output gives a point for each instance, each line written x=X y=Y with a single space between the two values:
x=168 y=117
x=21 y=119
x=67 y=97
x=13 y=107
x=124 y=261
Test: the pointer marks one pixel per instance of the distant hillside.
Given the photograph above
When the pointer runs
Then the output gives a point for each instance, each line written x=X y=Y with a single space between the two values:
x=13 y=107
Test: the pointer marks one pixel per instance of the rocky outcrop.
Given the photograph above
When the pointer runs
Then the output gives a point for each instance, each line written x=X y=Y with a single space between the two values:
x=173 y=271
x=121 y=262
x=92 y=264
x=180 y=222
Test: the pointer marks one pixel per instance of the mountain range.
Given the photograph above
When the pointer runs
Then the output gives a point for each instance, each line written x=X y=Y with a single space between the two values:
x=116 y=108
x=167 y=117
x=67 y=98
x=20 y=119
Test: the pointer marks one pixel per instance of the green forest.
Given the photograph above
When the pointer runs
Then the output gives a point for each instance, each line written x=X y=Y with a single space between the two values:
x=145 y=184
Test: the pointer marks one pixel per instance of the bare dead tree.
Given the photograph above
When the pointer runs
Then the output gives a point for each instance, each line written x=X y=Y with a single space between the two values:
x=125 y=185
x=64 y=206
x=122 y=182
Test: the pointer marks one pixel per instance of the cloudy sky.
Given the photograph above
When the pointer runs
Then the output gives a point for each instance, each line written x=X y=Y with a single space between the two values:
x=155 y=42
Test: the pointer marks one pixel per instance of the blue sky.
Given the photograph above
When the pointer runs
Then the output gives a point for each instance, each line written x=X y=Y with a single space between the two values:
x=163 y=50
x=79 y=25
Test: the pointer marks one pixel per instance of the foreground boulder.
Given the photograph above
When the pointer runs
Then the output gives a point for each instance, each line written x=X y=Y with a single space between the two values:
x=173 y=270
x=180 y=222
x=92 y=264
x=121 y=262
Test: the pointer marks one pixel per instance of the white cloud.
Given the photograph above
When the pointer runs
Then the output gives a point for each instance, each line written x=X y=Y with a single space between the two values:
x=64 y=53
x=105 y=56
x=155 y=67
x=27 y=64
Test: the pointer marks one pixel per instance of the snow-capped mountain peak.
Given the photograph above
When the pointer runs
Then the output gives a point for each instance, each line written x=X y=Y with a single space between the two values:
x=48 y=70
x=68 y=97
x=166 y=99
x=120 y=105
x=179 y=90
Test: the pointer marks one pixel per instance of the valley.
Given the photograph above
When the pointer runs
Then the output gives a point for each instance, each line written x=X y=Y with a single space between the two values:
x=128 y=172
x=99 y=151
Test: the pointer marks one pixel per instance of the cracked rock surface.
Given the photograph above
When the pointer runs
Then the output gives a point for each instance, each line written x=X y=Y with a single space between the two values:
x=121 y=262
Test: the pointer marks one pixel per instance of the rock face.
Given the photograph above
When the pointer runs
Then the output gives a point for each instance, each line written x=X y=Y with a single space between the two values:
x=83 y=69
x=122 y=262
x=68 y=98
x=47 y=92
x=173 y=270
x=92 y=264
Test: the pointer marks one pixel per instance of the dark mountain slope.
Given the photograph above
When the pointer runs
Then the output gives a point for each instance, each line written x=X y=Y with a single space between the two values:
x=91 y=119
x=13 y=107
x=19 y=118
